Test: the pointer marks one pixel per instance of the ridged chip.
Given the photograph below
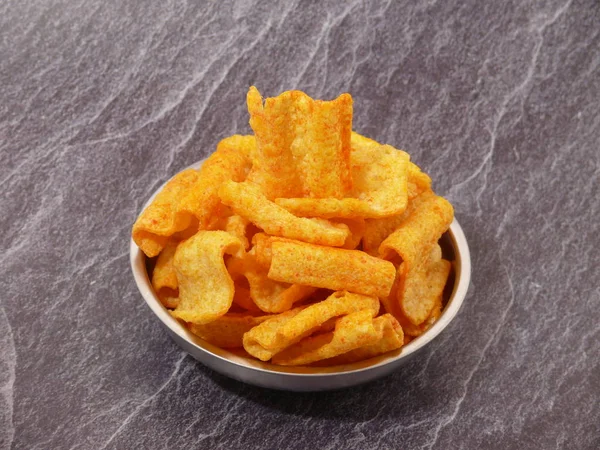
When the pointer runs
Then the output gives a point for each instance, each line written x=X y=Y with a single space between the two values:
x=303 y=145
x=262 y=341
x=288 y=328
x=380 y=187
x=247 y=200
x=389 y=337
x=166 y=215
x=205 y=287
x=421 y=289
x=418 y=181
x=421 y=230
x=164 y=277
x=377 y=230
x=330 y=268
x=337 y=304
x=227 y=331
x=190 y=199
x=268 y=295
x=351 y=332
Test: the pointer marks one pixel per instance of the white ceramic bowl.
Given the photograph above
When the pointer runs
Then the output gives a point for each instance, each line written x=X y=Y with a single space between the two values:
x=454 y=246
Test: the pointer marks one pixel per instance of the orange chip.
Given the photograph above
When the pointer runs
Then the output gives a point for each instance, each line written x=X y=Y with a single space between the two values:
x=164 y=277
x=231 y=161
x=322 y=146
x=166 y=214
x=421 y=230
x=337 y=304
x=390 y=301
x=421 y=290
x=352 y=331
x=380 y=177
x=241 y=297
x=415 y=241
x=273 y=168
x=377 y=230
x=416 y=330
x=330 y=268
x=303 y=145
x=205 y=287
x=357 y=231
x=389 y=337
x=247 y=200
x=268 y=295
x=189 y=199
x=288 y=328
x=236 y=225
x=261 y=246
x=261 y=341
x=418 y=181
x=227 y=331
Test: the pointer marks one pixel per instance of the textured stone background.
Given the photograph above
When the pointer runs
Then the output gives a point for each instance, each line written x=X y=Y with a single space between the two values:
x=101 y=101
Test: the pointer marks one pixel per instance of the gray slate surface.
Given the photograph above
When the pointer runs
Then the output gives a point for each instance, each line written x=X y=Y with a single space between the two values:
x=100 y=102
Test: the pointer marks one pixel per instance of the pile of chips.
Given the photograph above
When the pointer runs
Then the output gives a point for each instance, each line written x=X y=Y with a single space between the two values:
x=305 y=243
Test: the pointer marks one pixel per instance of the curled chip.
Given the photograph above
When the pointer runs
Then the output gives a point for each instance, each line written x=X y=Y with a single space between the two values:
x=421 y=270
x=421 y=290
x=352 y=331
x=205 y=287
x=273 y=166
x=287 y=329
x=322 y=146
x=416 y=330
x=231 y=161
x=261 y=246
x=330 y=268
x=380 y=177
x=268 y=295
x=164 y=277
x=303 y=145
x=227 y=331
x=337 y=304
x=261 y=341
x=377 y=230
x=390 y=301
x=166 y=215
x=422 y=229
x=236 y=225
x=190 y=198
x=389 y=337
x=247 y=200
x=357 y=231
x=241 y=297
x=418 y=181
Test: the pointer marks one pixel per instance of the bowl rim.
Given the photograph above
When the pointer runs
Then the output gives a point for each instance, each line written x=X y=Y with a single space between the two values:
x=462 y=263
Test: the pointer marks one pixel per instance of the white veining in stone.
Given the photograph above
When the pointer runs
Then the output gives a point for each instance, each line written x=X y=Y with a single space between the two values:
x=8 y=363
x=146 y=401
x=101 y=102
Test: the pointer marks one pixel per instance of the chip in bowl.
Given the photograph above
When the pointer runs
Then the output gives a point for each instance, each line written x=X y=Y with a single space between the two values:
x=304 y=244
